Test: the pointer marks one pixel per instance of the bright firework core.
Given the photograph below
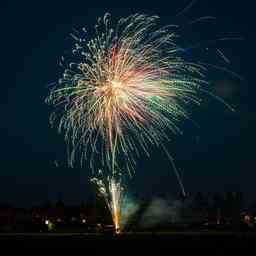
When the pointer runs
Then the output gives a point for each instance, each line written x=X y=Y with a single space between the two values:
x=112 y=91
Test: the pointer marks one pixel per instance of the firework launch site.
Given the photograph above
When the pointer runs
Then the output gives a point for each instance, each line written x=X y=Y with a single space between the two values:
x=199 y=221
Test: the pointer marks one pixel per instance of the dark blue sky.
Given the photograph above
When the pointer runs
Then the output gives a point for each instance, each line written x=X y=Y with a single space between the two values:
x=218 y=156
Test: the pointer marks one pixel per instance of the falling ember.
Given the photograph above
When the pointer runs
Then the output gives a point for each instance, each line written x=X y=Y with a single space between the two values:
x=111 y=189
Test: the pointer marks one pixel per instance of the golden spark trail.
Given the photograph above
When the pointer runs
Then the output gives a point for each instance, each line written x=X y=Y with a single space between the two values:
x=111 y=189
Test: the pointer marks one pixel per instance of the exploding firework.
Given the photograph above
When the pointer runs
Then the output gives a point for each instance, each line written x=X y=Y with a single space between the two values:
x=128 y=89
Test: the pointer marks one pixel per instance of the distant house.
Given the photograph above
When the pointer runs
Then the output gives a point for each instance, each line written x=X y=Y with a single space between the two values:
x=73 y=214
x=22 y=215
x=7 y=216
x=60 y=212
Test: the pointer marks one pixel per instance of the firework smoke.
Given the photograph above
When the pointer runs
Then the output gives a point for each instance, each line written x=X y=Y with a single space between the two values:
x=161 y=211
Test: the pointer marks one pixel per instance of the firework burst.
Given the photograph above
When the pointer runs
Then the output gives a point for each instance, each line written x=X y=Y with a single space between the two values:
x=128 y=89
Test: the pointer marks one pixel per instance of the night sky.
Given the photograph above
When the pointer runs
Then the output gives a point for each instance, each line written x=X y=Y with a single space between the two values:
x=218 y=156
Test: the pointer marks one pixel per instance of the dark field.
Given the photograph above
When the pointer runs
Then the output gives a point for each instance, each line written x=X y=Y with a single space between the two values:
x=206 y=242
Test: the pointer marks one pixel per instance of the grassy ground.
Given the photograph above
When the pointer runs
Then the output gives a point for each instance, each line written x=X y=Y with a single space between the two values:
x=106 y=243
